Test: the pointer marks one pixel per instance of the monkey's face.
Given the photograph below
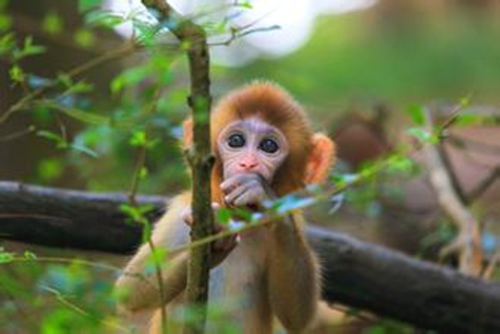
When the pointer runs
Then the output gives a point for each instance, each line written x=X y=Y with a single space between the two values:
x=251 y=146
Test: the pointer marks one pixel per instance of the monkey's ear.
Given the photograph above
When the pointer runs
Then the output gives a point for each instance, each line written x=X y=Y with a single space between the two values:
x=320 y=159
x=187 y=135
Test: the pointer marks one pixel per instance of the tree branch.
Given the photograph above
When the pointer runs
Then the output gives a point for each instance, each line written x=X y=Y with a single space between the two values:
x=356 y=273
x=194 y=38
x=467 y=245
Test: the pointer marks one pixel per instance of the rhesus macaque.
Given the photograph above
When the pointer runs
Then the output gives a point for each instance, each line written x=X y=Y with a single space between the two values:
x=264 y=149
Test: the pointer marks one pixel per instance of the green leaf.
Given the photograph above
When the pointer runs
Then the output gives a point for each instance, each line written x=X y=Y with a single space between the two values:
x=5 y=22
x=103 y=18
x=7 y=43
x=224 y=216
x=52 y=23
x=82 y=87
x=143 y=173
x=3 y=4
x=49 y=169
x=245 y=4
x=84 y=38
x=400 y=163
x=6 y=257
x=138 y=138
x=31 y=49
x=17 y=74
x=29 y=255
x=85 y=5
x=423 y=136
x=65 y=79
x=85 y=150
x=418 y=114
x=50 y=135
x=80 y=115
x=130 y=77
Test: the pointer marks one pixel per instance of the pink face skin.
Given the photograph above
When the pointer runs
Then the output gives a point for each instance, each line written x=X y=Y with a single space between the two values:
x=252 y=145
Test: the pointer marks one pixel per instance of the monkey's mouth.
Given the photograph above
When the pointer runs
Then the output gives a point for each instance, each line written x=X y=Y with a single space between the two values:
x=253 y=207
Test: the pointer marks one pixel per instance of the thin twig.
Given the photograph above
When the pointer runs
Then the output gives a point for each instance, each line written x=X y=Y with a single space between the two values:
x=483 y=186
x=63 y=300
x=18 y=134
x=468 y=242
x=26 y=99
x=490 y=269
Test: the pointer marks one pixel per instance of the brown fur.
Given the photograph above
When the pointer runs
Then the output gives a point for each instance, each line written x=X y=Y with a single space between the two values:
x=276 y=264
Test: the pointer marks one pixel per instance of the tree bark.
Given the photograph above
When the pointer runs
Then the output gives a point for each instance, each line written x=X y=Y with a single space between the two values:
x=194 y=37
x=356 y=273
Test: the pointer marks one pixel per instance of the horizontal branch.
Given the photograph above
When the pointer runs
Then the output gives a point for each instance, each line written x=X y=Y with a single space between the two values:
x=356 y=273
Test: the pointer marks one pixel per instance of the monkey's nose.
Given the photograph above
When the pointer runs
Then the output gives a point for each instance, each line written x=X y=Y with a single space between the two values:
x=248 y=165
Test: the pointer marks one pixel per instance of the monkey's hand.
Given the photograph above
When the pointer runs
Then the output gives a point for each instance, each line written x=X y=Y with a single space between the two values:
x=247 y=189
x=221 y=247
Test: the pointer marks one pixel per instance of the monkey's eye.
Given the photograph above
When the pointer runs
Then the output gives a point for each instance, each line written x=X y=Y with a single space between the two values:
x=236 y=141
x=268 y=145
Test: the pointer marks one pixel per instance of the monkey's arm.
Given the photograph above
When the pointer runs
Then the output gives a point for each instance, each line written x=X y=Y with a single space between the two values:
x=139 y=279
x=293 y=274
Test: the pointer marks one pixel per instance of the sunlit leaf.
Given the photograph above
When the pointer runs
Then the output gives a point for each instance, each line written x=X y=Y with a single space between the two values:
x=7 y=43
x=6 y=257
x=423 y=135
x=418 y=114
x=292 y=202
x=138 y=138
x=16 y=74
x=84 y=38
x=223 y=216
x=5 y=22
x=80 y=115
x=85 y=5
x=49 y=169
x=104 y=18
x=29 y=255
x=52 y=23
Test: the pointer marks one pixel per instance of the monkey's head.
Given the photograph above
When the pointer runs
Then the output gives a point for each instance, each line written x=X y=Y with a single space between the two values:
x=261 y=129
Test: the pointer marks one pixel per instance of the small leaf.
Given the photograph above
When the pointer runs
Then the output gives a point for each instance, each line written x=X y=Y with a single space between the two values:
x=78 y=114
x=143 y=173
x=52 y=23
x=138 y=138
x=84 y=38
x=424 y=136
x=104 y=18
x=6 y=257
x=85 y=5
x=49 y=135
x=224 y=216
x=16 y=74
x=49 y=169
x=418 y=114
x=7 y=43
x=85 y=150
x=5 y=22
x=65 y=79
x=29 y=255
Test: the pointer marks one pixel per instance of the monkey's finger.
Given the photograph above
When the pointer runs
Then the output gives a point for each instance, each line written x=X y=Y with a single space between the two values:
x=236 y=180
x=237 y=192
x=253 y=196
